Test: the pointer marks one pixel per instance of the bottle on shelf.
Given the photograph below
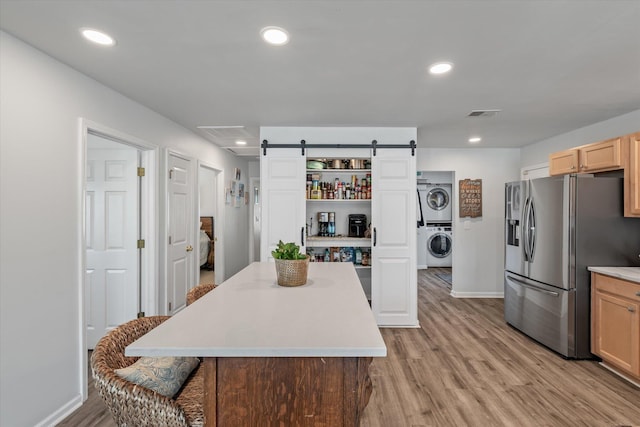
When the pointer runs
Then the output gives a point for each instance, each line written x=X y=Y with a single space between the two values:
x=365 y=258
x=332 y=224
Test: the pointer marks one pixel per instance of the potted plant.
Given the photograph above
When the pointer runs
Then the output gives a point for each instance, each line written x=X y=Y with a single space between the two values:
x=291 y=265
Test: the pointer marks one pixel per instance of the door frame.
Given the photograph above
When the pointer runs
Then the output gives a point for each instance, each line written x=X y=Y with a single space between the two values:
x=219 y=220
x=253 y=245
x=148 y=209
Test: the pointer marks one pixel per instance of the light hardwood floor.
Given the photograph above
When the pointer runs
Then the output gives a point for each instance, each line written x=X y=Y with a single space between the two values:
x=465 y=367
x=207 y=276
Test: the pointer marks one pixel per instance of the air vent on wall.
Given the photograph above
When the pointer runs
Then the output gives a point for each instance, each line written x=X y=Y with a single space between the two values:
x=483 y=113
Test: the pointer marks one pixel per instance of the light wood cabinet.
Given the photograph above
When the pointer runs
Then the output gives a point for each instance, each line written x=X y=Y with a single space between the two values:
x=615 y=323
x=632 y=177
x=564 y=162
x=596 y=157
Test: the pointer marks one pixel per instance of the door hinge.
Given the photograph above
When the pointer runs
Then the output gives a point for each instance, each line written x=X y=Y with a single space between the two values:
x=171 y=173
x=141 y=171
x=169 y=307
x=169 y=239
x=141 y=244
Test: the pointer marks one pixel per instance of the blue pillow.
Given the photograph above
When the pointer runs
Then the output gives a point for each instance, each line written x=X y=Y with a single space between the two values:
x=164 y=375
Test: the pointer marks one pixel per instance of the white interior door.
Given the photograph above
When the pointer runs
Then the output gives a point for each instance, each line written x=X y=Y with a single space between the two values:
x=180 y=250
x=111 y=294
x=394 y=296
x=283 y=178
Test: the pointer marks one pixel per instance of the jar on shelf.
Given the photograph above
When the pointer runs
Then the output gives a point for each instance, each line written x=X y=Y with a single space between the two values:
x=365 y=258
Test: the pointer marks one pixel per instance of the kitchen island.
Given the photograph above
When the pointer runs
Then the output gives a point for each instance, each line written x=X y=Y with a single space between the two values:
x=272 y=354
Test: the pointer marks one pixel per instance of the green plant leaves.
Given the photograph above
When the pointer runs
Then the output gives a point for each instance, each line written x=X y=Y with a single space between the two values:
x=287 y=251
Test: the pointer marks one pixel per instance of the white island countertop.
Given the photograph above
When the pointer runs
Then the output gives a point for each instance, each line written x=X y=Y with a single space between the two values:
x=249 y=315
x=627 y=273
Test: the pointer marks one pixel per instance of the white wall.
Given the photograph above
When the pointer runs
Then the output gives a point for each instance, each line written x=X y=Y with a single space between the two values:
x=41 y=101
x=478 y=263
x=622 y=125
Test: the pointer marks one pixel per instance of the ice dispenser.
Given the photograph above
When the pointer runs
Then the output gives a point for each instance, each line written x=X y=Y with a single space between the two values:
x=513 y=232
x=513 y=193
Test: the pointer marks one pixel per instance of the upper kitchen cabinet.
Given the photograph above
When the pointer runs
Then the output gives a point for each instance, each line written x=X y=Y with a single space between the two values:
x=622 y=152
x=596 y=157
x=632 y=178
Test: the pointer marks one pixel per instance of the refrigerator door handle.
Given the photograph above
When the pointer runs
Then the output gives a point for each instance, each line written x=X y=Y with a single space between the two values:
x=533 y=287
x=532 y=229
x=525 y=229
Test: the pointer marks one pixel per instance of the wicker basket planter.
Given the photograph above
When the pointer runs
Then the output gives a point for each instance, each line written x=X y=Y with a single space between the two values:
x=292 y=272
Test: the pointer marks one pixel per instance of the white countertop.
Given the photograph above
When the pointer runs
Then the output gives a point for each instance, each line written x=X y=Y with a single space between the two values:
x=250 y=315
x=627 y=273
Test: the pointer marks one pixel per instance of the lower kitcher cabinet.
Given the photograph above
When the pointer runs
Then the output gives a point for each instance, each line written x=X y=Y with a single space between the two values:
x=615 y=323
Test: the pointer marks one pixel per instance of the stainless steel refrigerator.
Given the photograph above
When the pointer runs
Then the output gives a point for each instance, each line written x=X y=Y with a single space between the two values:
x=555 y=228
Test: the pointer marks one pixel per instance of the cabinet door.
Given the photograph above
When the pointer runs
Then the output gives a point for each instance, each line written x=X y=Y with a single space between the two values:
x=283 y=179
x=632 y=178
x=617 y=331
x=600 y=156
x=393 y=221
x=563 y=162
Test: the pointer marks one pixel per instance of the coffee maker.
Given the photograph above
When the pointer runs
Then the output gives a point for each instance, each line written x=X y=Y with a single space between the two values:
x=326 y=224
x=323 y=224
x=357 y=225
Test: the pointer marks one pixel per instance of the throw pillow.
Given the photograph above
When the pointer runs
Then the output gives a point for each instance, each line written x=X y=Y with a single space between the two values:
x=164 y=375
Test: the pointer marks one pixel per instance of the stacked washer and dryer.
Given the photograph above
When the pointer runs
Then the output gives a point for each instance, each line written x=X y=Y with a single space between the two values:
x=435 y=237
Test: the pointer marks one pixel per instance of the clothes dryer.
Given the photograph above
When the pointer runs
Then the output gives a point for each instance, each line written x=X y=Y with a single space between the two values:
x=439 y=246
x=436 y=202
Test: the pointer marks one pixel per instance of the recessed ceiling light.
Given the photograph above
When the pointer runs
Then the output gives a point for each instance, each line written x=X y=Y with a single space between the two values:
x=275 y=35
x=241 y=142
x=475 y=139
x=97 y=37
x=440 y=68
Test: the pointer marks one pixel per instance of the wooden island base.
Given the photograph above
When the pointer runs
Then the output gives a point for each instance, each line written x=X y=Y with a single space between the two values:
x=291 y=391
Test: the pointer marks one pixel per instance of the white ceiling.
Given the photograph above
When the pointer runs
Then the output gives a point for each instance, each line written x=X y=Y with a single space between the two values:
x=550 y=66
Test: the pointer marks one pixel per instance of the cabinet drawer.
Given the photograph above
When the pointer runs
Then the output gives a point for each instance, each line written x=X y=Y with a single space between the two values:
x=615 y=286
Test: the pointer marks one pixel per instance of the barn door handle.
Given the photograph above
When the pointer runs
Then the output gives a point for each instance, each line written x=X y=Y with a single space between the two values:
x=375 y=236
x=301 y=236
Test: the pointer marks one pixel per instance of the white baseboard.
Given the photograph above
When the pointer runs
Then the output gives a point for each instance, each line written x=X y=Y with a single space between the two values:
x=417 y=325
x=620 y=374
x=62 y=413
x=477 y=294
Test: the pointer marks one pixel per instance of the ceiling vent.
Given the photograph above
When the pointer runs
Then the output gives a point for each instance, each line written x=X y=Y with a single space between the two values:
x=483 y=113
x=226 y=132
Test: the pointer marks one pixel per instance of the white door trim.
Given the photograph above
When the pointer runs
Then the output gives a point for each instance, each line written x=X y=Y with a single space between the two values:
x=149 y=209
x=219 y=219
x=253 y=245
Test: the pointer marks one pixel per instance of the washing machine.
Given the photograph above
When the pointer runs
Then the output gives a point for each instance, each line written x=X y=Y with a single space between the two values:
x=436 y=202
x=439 y=246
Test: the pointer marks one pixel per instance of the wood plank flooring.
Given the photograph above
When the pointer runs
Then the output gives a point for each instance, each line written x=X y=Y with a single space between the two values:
x=465 y=367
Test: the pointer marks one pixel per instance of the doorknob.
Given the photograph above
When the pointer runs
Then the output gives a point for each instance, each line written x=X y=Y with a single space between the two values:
x=189 y=248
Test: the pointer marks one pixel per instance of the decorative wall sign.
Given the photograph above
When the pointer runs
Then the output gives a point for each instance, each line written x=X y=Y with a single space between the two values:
x=470 y=195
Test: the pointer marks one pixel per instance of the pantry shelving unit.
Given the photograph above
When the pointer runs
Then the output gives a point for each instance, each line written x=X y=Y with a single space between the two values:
x=290 y=214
